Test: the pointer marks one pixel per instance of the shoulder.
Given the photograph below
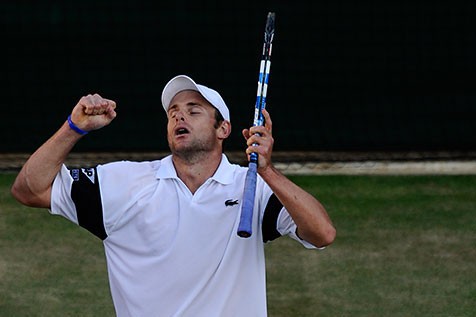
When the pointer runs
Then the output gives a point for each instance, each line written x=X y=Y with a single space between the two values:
x=127 y=172
x=121 y=167
x=121 y=181
x=131 y=165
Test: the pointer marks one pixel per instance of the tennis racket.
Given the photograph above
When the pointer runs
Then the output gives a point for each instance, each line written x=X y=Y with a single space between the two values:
x=246 y=217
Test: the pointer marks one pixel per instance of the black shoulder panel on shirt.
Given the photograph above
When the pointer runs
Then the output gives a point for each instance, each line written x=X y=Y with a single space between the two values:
x=270 y=219
x=87 y=199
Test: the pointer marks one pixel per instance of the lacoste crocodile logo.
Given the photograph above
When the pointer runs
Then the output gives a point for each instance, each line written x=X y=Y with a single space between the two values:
x=231 y=202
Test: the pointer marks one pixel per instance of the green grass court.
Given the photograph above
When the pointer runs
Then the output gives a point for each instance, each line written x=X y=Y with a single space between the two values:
x=406 y=246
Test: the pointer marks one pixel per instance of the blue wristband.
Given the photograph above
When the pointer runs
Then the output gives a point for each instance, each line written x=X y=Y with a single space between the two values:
x=75 y=128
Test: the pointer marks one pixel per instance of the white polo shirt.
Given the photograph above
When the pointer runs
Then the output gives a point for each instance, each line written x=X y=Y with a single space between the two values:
x=170 y=252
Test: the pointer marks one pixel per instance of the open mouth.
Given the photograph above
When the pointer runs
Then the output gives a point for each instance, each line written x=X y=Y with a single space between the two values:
x=181 y=131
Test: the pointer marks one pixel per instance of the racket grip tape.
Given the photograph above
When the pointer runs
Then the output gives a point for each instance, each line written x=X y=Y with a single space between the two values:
x=246 y=217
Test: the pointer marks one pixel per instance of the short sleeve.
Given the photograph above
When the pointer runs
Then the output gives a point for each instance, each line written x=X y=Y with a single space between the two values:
x=286 y=226
x=76 y=196
x=276 y=221
x=61 y=202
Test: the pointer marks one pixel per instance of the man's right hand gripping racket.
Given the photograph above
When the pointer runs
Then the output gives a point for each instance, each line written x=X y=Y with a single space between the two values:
x=246 y=218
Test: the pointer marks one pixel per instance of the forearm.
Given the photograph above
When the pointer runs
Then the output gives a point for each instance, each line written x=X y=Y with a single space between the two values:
x=32 y=186
x=311 y=218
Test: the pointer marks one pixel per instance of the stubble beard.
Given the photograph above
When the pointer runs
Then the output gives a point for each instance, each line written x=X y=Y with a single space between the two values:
x=195 y=151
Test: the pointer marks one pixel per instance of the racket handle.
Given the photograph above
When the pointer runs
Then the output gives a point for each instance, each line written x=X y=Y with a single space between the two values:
x=246 y=217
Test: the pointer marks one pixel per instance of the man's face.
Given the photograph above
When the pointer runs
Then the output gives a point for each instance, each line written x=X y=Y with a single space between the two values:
x=191 y=124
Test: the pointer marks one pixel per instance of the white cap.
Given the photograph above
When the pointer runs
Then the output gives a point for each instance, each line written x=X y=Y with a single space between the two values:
x=182 y=82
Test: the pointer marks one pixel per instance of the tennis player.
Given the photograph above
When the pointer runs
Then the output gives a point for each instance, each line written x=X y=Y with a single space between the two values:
x=169 y=226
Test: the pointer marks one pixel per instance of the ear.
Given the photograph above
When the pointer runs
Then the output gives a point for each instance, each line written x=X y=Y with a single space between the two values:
x=224 y=130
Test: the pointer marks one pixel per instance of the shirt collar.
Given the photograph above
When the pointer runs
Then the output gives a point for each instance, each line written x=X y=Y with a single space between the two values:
x=223 y=174
x=166 y=168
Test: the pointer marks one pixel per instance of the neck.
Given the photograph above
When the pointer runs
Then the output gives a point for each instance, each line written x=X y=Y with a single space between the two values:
x=195 y=169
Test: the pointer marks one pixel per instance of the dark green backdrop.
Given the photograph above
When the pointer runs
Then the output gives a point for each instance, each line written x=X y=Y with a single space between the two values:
x=346 y=75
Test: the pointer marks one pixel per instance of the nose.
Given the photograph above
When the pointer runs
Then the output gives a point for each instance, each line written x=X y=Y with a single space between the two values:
x=179 y=116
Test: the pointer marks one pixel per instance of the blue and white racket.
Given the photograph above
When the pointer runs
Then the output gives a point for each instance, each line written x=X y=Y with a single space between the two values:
x=246 y=218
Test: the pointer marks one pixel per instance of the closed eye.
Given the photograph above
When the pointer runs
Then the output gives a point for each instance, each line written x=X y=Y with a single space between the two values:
x=172 y=114
x=195 y=110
